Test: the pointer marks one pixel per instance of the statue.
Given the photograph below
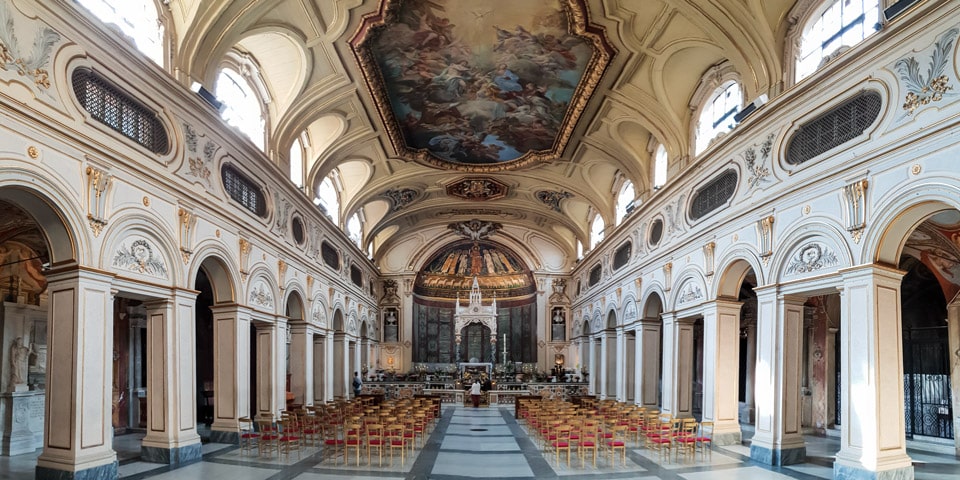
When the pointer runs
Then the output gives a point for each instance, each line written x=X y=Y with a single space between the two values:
x=19 y=354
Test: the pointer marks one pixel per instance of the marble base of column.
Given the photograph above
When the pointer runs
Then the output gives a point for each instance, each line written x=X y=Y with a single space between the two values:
x=726 y=433
x=172 y=455
x=224 y=436
x=778 y=456
x=847 y=472
x=102 y=472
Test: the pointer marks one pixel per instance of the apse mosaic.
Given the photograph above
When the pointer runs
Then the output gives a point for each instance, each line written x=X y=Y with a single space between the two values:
x=497 y=84
x=451 y=271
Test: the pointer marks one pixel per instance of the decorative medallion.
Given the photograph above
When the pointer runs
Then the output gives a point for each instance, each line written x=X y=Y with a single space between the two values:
x=139 y=257
x=810 y=258
x=922 y=91
x=400 y=197
x=493 y=87
x=32 y=63
x=477 y=189
x=552 y=198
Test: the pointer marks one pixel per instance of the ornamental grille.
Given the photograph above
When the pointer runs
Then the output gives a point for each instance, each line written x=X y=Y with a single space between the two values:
x=836 y=127
x=622 y=255
x=330 y=256
x=356 y=276
x=296 y=226
x=110 y=106
x=595 y=273
x=656 y=232
x=243 y=191
x=713 y=195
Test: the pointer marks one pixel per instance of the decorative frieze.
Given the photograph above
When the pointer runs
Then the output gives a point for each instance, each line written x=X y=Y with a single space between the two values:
x=811 y=257
x=139 y=256
x=261 y=295
x=690 y=292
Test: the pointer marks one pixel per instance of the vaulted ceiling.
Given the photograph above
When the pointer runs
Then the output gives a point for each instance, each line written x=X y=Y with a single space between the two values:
x=322 y=63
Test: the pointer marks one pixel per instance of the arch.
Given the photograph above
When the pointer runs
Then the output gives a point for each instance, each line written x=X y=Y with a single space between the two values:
x=690 y=288
x=294 y=308
x=733 y=269
x=318 y=312
x=338 y=324
x=611 y=318
x=214 y=260
x=41 y=200
x=261 y=292
x=653 y=303
x=897 y=219
x=628 y=312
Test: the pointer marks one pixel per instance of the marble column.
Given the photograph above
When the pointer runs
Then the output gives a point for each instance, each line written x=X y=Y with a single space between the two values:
x=648 y=363
x=78 y=434
x=319 y=369
x=677 y=365
x=873 y=432
x=953 y=331
x=231 y=370
x=721 y=353
x=777 y=439
x=301 y=364
x=269 y=381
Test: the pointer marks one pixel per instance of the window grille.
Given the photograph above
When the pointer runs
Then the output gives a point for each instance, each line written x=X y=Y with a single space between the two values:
x=713 y=195
x=330 y=256
x=656 y=232
x=356 y=276
x=112 y=107
x=595 y=273
x=622 y=256
x=243 y=191
x=834 y=128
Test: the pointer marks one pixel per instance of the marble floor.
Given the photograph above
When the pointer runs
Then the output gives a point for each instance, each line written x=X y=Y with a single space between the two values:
x=488 y=443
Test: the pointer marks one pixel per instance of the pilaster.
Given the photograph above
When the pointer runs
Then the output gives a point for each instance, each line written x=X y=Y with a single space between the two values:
x=648 y=363
x=721 y=352
x=231 y=370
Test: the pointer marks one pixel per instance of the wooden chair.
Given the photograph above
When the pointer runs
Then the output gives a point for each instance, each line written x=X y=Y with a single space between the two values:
x=374 y=441
x=352 y=438
x=617 y=441
x=561 y=441
x=686 y=438
x=396 y=441
x=289 y=436
x=248 y=436
x=705 y=438
x=332 y=441
x=589 y=441
x=269 y=437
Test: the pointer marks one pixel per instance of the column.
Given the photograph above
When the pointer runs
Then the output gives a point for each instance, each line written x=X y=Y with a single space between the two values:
x=778 y=440
x=872 y=434
x=677 y=365
x=231 y=370
x=301 y=364
x=592 y=368
x=268 y=380
x=648 y=363
x=319 y=369
x=171 y=381
x=77 y=432
x=721 y=353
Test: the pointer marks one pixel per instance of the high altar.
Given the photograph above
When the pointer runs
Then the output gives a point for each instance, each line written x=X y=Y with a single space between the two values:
x=476 y=312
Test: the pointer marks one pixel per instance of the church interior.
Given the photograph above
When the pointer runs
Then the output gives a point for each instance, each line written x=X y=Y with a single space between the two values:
x=681 y=239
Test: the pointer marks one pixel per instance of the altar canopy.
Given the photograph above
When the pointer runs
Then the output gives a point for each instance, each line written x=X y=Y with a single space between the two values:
x=476 y=312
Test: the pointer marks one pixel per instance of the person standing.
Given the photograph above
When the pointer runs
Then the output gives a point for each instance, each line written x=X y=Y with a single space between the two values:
x=475 y=393
x=357 y=384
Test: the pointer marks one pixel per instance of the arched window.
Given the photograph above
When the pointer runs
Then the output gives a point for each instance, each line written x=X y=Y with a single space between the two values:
x=625 y=200
x=659 y=167
x=328 y=199
x=137 y=19
x=243 y=109
x=355 y=230
x=717 y=114
x=579 y=249
x=836 y=24
x=596 y=231
x=296 y=163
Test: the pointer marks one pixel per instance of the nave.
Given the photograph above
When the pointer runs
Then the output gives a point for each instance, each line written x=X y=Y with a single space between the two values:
x=488 y=442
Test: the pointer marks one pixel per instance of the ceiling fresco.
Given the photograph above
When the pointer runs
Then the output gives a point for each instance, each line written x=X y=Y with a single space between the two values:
x=23 y=251
x=936 y=243
x=452 y=269
x=492 y=87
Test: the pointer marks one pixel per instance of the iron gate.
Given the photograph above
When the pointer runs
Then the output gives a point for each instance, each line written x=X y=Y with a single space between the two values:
x=926 y=382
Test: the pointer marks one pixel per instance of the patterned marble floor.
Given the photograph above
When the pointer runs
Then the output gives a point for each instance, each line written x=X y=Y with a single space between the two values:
x=488 y=443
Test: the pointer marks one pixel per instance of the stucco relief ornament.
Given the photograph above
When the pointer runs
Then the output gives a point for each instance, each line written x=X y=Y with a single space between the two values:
x=35 y=63
x=139 y=257
x=475 y=229
x=690 y=293
x=932 y=88
x=260 y=295
x=198 y=163
x=400 y=197
x=552 y=198
x=811 y=257
x=758 y=169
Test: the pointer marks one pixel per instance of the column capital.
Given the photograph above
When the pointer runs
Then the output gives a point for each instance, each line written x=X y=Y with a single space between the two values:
x=872 y=270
